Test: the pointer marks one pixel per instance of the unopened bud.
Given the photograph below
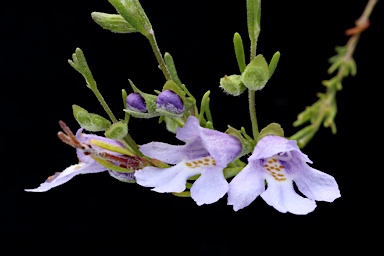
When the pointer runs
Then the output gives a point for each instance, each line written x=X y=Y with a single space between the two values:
x=136 y=102
x=169 y=101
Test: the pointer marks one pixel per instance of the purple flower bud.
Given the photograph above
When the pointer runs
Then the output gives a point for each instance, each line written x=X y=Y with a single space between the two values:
x=170 y=101
x=136 y=102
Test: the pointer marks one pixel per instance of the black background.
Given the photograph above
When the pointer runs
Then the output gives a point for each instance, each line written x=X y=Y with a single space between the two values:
x=96 y=213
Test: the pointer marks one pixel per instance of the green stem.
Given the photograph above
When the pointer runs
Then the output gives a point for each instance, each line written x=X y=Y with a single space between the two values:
x=159 y=58
x=128 y=139
x=104 y=104
x=252 y=112
x=253 y=49
x=132 y=144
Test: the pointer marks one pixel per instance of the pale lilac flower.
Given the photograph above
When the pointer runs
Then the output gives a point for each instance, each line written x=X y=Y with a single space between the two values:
x=279 y=161
x=86 y=165
x=206 y=152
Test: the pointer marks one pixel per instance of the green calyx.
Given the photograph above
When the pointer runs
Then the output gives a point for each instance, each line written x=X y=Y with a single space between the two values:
x=89 y=121
x=113 y=22
x=256 y=74
x=117 y=131
x=271 y=129
x=232 y=85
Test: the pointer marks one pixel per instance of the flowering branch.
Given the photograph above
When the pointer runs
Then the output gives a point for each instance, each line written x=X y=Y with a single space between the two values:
x=208 y=165
x=324 y=110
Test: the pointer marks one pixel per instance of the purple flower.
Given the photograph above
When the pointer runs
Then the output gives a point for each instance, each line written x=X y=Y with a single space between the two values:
x=136 y=102
x=170 y=101
x=87 y=164
x=206 y=152
x=280 y=162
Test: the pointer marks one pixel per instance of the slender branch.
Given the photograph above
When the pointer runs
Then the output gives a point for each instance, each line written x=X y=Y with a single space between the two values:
x=329 y=97
x=104 y=104
x=252 y=113
x=159 y=58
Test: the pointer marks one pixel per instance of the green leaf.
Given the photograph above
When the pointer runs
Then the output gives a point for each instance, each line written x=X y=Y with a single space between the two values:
x=172 y=123
x=89 y=121
x=79 y=63
x=112 y=22
x=134 y=14
x=253 y=19
x=239 y=51
x=273 y=64
x=247 y=143
x=172 y=69
x=304 y=135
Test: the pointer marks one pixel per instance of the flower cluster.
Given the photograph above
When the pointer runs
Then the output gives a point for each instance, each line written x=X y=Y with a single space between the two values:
x=209 y=164
x=206 y=153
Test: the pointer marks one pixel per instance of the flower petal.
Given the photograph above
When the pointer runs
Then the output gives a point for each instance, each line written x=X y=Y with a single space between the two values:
x=246 y=186
x=171 y=179
x=177 y=184
x=164 y=152
x=317 y=185
x=190 y=130
x=84 y=137
x=68 y=174
x=271 y=145
x=153 y=176
x=210 y=186
x=123 y=177
x=283 y=198
x=224 y=148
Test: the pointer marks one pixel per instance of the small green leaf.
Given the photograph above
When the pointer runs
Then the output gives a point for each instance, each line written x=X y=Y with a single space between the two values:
x=239 y=51
x=134 y=14
x=172 y=69
x=173 y=123
x=100 y=123
x=247 y=143
x=89 y=121
x=79 y=63
x=124 y=96
x=253 y=19
x=112 y=22
x=273 y=64
x=304 y=135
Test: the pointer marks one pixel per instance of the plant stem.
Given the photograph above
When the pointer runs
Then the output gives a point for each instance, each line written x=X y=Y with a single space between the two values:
x=159 y=57
x=252 y=113
x=104 y=104
x=132 y=144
